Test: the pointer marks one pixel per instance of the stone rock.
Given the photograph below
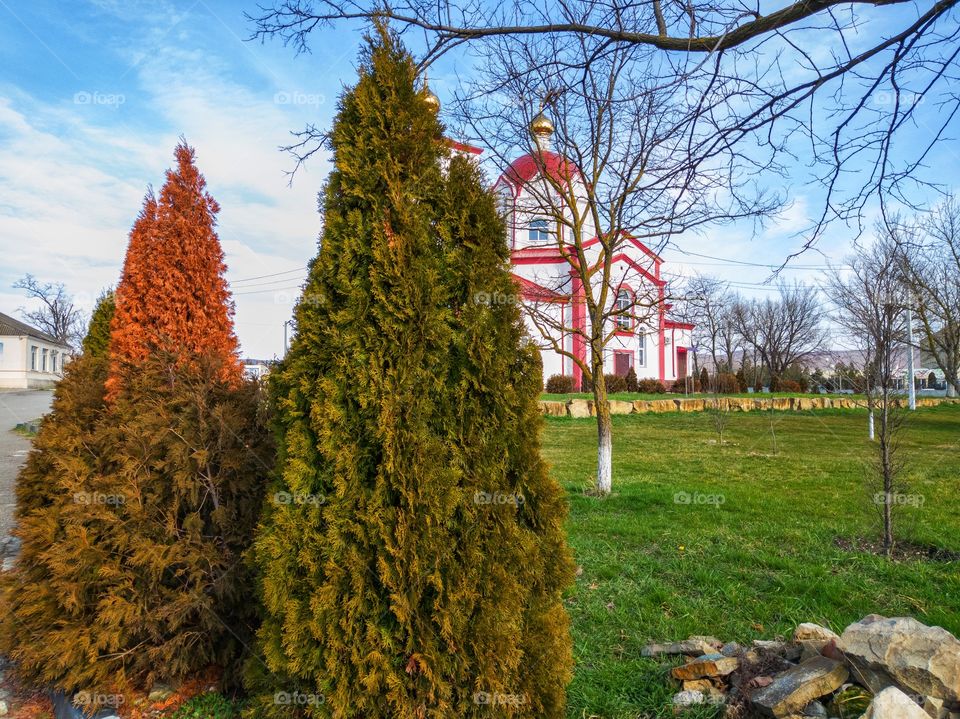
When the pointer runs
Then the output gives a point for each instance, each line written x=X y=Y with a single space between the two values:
x=901 y=650
x=662 y=405
x=641 y=406
x=618 y=406
x=810 y=632
x=795 y=688
x=815 y=709
x=812 y=638
x=931 y=705
x=790 y=652
x=9 y=546
x=554 y=409
x=580 y=408
x=695 y=646
x=705 y=687
x=689 y=699
x=709 y=665
x=731 y=649
x=689 y=405
x=892 y=703
x=159 y=692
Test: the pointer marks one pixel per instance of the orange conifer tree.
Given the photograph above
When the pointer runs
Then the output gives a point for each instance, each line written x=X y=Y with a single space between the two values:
x=172 y=296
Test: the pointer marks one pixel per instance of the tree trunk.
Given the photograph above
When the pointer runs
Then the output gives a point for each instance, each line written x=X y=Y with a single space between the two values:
x=953 y=387
x=887 y=468
x=604 y=433
x=870 y=425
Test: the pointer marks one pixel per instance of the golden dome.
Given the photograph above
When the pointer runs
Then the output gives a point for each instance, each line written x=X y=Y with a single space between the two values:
x=433 y=102
x=541 y=125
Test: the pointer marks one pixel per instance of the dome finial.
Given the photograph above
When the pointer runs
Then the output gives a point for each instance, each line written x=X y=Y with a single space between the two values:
x=541 y=127
x=433 y=102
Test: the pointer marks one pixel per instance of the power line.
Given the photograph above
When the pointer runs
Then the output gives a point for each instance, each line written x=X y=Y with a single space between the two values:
x=260 y=292
x=727 y=260
x=275 y=274
x=264 y=284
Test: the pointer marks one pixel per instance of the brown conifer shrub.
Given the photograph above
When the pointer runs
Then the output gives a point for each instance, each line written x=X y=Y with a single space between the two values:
x=141 y=497
x=615 y=383
x=560 y=384
x=134 y=517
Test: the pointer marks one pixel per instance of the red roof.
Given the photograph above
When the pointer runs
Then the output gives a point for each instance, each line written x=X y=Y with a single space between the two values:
x=537 y=293
x=525 y=168
x=462 y=147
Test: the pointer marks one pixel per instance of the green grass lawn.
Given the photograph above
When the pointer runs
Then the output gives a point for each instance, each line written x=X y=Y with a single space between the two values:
x=631 y=396
x=757 y=564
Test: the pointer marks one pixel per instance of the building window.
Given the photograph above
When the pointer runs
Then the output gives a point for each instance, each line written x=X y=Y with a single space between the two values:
x=539 y=231
x=642 y=349
x=505 y=205
x=625 y=308
x=44 y=358
x=53 y=361
x=33 y=358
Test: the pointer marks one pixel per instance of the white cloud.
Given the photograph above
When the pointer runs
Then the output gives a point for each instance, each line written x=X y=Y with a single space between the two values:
x=72 y=180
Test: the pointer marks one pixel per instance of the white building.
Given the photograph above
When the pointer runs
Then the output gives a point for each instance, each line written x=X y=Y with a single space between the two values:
x=29 y=358
x=654 y=345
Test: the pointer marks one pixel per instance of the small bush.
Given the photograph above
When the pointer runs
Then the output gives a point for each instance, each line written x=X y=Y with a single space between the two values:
x=741 y=380
x=651 y=386
x=788 y=385
x=615 y=383
x=726 y=383
x=207 y=706
x=560 y=384
x=679 y=386
x=631 y=380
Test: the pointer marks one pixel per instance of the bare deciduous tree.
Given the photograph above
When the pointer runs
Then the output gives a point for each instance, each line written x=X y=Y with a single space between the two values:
x=836 y=80
x=783 y=331
x=709 y=305
x=625 y=165
x=930 y=249
x=870 y=301
x=56 y=314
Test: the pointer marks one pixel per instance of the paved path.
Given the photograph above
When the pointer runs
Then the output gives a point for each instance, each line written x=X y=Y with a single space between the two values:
x=15 y=407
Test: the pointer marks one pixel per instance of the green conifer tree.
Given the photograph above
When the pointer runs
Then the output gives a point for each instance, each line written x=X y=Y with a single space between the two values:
x=97 y=341
x=412 y=554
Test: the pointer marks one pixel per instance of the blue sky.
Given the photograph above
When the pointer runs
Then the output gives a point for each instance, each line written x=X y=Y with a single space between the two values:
x=95 y=93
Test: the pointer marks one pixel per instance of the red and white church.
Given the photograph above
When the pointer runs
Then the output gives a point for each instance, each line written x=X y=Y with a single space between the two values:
x=647 y=340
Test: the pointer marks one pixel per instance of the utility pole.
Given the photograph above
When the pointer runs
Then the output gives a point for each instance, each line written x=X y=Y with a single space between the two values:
x=911 y=389
x=285 y=347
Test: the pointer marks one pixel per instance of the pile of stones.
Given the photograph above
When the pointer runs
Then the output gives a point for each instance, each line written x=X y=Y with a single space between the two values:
x=878 y=668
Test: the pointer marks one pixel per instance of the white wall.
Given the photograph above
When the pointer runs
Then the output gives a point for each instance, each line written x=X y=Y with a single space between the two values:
x=16 y=370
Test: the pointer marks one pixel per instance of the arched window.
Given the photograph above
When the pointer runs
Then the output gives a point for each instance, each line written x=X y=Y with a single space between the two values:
x=625 y=310
x=505 y=205
x=539 y=232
